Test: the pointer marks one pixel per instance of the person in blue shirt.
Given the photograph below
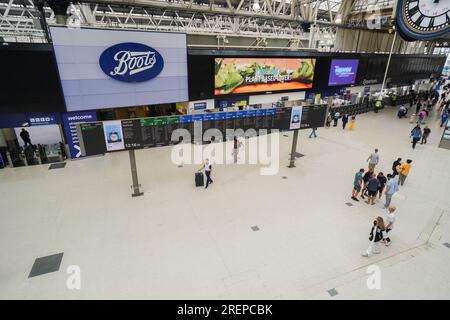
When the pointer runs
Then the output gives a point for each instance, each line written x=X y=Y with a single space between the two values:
x=444 y=118
x=372 y=188
x=416 y=135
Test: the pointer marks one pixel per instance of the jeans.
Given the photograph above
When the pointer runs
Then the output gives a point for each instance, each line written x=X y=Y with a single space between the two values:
x=414 y=142
x=208 y=178
x=388 y=200
x=401 y=179
x=313 y=132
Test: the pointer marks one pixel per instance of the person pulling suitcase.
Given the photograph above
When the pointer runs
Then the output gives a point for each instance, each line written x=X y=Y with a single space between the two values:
x=207 y=167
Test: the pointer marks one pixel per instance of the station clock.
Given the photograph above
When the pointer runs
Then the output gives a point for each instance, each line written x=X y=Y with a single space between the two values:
x=423 y=19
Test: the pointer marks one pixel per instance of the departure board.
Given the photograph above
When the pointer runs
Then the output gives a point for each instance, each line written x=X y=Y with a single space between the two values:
x=187 y=124
x=132 y=133
x=230 y=119
x=173 y=123
x=250 y=123
x=314 y=116
x=157 y=131
x=282 y=118
x=92 y=138
x=147 y=131
x=197 y=132
x=239 y=122
x=160 y=131
x=268 y=120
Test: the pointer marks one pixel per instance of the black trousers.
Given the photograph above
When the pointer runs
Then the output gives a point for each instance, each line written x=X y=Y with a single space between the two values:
x=424 y=139
x=415 y=140
x=208 y=178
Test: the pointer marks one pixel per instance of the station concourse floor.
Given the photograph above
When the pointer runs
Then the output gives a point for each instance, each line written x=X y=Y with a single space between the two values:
x=182 y=242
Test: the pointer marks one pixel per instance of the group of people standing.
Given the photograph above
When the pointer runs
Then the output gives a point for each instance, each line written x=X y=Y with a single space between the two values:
x=373 y=185
x=345 y=120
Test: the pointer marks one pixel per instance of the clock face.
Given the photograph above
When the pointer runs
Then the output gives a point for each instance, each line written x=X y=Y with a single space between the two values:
x=424 y=19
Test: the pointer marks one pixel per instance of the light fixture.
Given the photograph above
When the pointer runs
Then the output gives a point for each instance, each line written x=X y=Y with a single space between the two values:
x=256 y=6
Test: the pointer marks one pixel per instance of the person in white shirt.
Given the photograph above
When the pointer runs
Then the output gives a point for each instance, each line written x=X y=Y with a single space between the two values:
x=207 y=167
x=336 y=117
x=373 y=160
x=389 y=221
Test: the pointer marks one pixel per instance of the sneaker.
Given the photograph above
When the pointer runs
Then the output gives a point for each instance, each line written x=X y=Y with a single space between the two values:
x=365 y=255
x=377 y=252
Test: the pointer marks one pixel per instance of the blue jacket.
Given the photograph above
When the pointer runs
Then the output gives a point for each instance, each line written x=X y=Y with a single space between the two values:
x=416 y=133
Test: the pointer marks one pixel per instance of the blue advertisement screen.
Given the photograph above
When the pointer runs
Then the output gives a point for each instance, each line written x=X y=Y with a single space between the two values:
x=343 y=72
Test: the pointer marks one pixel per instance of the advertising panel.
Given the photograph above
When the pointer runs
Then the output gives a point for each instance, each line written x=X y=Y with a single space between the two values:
x=296 y=118
x=248 y=75
x=343 y=72
x=102 y=68
x=113 y=135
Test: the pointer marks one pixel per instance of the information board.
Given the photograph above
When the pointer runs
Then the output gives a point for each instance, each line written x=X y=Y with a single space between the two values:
x=92 y=141
x=100 y=137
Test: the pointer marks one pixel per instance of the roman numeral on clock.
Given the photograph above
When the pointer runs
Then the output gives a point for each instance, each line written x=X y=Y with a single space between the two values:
x=413 y=11
x=419 y=20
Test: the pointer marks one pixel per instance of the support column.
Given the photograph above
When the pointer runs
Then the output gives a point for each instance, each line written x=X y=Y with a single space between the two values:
x=134 y=175
x=389 y=61
x=294 y=149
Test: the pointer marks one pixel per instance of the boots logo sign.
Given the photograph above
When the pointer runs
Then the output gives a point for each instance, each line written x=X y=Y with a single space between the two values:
x=131 y=62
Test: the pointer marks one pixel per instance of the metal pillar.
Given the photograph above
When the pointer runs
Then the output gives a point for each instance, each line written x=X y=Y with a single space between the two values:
x=39 y=4
x=294 y=149
x=389 y=61
x=134 y=175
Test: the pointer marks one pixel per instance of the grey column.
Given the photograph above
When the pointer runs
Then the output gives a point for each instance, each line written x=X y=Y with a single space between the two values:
x=294 y=149
x=134 y=175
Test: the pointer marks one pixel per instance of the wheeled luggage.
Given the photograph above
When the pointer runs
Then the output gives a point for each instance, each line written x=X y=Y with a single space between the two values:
x=199 y=179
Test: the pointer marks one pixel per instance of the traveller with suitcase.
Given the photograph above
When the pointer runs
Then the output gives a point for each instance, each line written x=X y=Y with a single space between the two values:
x=207 y=167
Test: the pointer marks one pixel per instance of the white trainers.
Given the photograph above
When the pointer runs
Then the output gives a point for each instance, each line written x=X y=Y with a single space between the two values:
x=377 y=252
x=365 y=255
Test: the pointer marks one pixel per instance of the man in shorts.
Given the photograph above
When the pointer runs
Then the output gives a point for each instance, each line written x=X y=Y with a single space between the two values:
x=357 y=184
x=372 y=188
x=373 y=159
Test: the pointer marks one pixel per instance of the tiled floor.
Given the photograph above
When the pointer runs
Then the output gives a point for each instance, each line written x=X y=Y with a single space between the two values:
x=178 y=241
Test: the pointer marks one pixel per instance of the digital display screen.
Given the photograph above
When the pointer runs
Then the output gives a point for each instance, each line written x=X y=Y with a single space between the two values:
x=248 y=75
x=343 y=72
x=102 y=69
x=92 y=138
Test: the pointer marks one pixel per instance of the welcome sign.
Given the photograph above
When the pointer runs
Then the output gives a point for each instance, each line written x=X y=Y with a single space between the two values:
x=101 y=68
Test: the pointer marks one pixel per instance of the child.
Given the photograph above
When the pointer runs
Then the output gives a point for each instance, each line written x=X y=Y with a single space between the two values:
x=351 y=126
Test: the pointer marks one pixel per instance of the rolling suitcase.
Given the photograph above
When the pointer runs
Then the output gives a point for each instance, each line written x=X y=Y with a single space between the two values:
x=199 y=179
